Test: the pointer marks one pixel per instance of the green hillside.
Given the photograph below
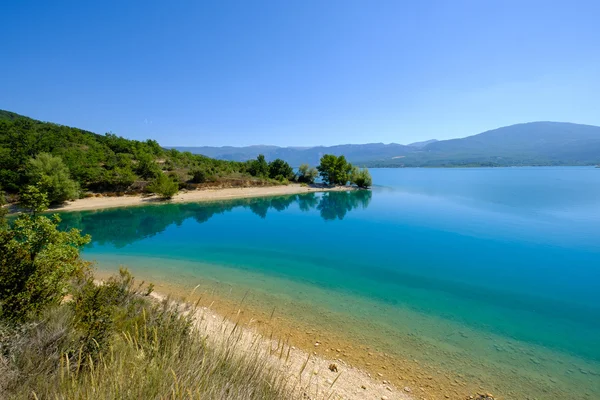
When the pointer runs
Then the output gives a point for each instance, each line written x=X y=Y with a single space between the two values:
x=101 y=162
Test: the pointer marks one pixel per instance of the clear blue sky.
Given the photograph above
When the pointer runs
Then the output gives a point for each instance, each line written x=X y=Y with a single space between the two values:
x=300 y=72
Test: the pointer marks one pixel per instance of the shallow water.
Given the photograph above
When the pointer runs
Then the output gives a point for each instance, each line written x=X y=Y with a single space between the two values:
x=491 y=272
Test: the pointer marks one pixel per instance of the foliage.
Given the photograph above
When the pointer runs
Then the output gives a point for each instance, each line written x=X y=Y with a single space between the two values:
x=280 y=170
x=3 y=210
x=198 y=175
x=112 y=341
x=306 y=174
x=52 y=177
x=259 y=167
x=36 y=262
x=96 y=162
x=33 y=200
x=334 y=170
x=164 y=186
x=361 y=177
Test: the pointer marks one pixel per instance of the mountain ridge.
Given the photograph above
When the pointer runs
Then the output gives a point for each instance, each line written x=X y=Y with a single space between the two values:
x=530 y=143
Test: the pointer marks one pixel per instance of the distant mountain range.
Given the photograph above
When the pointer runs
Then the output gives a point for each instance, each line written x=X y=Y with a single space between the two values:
x=534 y=143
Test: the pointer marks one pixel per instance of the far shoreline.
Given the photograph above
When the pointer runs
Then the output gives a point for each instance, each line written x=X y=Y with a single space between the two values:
x=193 y=196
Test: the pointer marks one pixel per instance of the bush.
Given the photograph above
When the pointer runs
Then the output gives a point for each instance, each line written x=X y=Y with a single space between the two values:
x=36 y=263
x=259 y=167
x=33 y=200
x=198 y=175
x=280 y=170
x=361 y=177
x=306 y=174
x=113 y=342
x=164 y=186
x=52 y=177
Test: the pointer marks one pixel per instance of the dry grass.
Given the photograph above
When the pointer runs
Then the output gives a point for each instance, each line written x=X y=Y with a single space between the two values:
x=158 y=353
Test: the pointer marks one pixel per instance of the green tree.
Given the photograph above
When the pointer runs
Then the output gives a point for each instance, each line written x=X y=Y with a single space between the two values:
x=280 y=170
x=259 y=167
x=119 y=178
x=361 y=177
x=306 y=174
x=164 y=186
x=51 y=176
x=198 y=175
x=147 y=167
x=33 y=200
x=334 y=170
x=37 y=262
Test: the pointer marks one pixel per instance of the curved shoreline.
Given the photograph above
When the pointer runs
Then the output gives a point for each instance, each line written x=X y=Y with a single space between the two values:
x=367 y=364
x=310 y=374
x=200 y=195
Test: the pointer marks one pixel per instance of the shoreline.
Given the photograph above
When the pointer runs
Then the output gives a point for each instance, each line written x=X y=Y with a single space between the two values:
x=368 y=364
x=311 y=375
x=194 y=196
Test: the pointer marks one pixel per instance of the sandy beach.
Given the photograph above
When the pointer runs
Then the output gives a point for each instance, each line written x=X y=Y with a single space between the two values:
x=310 y=375
x=96 y=203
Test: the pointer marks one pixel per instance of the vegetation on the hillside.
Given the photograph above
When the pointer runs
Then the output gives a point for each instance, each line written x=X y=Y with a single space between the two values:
x=52 y=177
x=60 y=160
x=49 y=163
x=62 y=335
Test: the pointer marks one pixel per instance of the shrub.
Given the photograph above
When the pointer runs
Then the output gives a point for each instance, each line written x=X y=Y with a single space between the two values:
x=259 y=167
x=280 y=170
x=33 y=200
x=164 y=186
x=306 y=174
x=361 y=177
x=52 y=177
x=36 y=263
x=198 y=175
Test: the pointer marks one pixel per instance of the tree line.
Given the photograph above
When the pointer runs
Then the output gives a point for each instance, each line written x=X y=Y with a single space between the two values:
x=56 y=163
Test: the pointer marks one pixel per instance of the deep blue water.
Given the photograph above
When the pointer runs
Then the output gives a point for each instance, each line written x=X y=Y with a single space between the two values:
x=510 y=257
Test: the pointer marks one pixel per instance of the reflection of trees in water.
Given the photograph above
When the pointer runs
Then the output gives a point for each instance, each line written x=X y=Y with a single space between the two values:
x=335 y=205
x=121 y=227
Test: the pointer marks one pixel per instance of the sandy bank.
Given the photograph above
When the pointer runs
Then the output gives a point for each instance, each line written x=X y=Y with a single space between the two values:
x=96 y=203
x=311 y=376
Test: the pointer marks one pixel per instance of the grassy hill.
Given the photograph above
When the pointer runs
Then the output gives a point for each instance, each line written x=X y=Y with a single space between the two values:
x=535 y=143
x=101 y=162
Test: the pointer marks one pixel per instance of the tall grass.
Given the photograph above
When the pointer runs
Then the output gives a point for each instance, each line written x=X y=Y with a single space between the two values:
x=111 y=341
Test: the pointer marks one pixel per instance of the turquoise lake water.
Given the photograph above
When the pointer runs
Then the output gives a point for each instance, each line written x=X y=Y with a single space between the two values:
x=493 y=272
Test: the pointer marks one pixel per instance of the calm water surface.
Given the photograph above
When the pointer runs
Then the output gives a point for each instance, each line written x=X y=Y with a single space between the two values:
x=491 y=272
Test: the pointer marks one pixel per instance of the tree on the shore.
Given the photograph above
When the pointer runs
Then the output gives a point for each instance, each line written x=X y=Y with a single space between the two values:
x=334 y=170
x=37 y=263
x=33 y=200
x=259 y=167
x=361 y=177
x=51 y=176
x=280 y=170
x=306 y=174
x=164 y=186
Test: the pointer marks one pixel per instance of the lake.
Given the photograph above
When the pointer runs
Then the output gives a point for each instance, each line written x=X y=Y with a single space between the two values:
x=481 y=278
